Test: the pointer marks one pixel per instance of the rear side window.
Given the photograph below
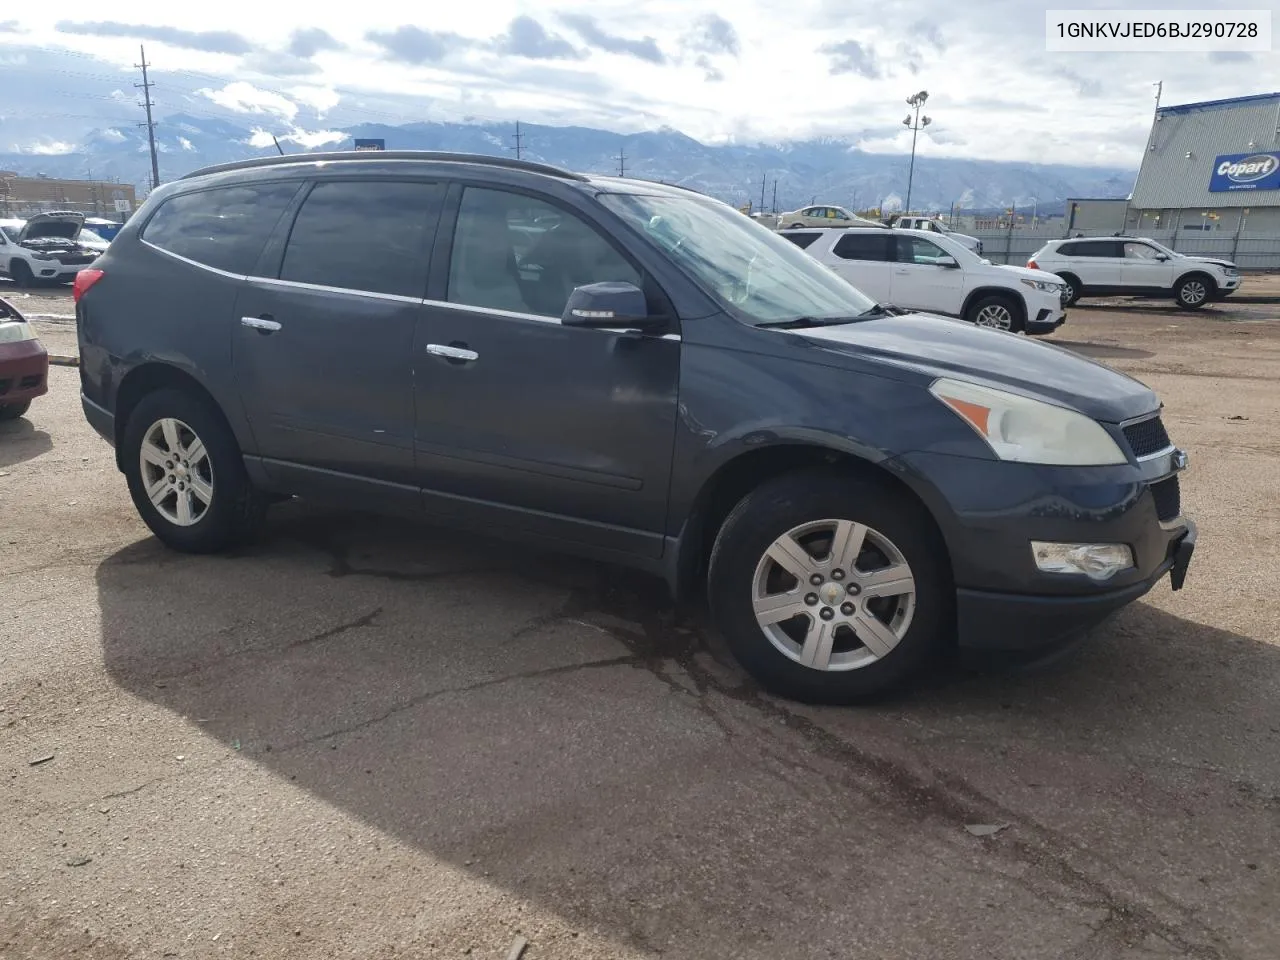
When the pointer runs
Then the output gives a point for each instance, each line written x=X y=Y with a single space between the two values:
x=364 y=235
x=802 y=240
x=872 y=245
x=224 y=228
x=1095 y=248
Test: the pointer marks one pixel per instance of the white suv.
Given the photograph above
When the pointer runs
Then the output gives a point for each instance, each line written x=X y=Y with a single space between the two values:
x=931 y=272
x=936 y=226
x=44 y=248
x=1135 y=267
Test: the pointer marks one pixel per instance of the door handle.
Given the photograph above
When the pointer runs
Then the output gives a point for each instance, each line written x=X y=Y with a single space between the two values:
x=263 y=324
x=451 y=353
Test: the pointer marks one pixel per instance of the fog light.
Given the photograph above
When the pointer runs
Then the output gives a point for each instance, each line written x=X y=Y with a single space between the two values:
x=1097 y=561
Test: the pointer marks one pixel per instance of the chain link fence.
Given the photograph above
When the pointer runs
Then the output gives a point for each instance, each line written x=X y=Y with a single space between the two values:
x=1250 y=250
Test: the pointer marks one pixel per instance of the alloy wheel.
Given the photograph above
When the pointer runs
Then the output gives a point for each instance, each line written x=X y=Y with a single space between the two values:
x=1193 y=292
x=834 y=595
x=177 y=473
x=995 y=315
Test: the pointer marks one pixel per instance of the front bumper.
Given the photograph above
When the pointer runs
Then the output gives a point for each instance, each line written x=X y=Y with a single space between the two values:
x=24 y=371
x=989 y=511
x=1045 y=321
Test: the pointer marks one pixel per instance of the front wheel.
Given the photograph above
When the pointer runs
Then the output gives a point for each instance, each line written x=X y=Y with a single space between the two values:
x=186 y=474
x=1193 y=292
x=995 y=313
x=12 y=411
x=21 y=274
x=830 y=587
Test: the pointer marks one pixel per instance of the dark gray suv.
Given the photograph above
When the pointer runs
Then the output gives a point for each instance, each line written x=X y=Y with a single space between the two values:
x=632 y=372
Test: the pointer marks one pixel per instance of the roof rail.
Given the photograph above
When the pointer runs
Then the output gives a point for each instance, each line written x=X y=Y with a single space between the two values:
x=370 y=156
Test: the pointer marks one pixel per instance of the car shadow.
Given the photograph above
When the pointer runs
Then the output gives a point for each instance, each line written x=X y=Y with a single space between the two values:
x=560 y=727
x=1102 y=351
x=20 y=441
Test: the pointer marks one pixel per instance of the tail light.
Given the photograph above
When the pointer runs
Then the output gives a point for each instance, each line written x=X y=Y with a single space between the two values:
x=84 y=280
x=1032 y=265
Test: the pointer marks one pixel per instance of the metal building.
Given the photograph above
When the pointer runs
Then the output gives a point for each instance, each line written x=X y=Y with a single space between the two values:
x=1210 y=168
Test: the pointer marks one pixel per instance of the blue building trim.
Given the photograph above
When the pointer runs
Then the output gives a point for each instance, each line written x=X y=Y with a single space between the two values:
x=1256 y=98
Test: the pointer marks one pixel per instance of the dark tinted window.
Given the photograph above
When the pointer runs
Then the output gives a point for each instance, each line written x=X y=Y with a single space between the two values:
x=369 y=235
x=224 y=228
x=871 y=245
x=511 y=252
x=802 y=240
x=1095 y=248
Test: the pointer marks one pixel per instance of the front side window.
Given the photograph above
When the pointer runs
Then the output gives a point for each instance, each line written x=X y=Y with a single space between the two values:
x=364 y=235
x=225 y=228
x=919 y=250
x=1140 y=251
x=757 y=275
x=516 y=253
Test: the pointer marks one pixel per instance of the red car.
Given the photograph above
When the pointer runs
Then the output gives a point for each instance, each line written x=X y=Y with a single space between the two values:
x=24 y=364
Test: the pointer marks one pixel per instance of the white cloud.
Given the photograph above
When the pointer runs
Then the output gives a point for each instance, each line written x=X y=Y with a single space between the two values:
x=186 y=144
x=48 y=148
x=244 y=97
x=314 y=138
x=112 y=135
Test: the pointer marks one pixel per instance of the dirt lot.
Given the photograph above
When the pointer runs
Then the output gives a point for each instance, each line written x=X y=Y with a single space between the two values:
x=368 y=740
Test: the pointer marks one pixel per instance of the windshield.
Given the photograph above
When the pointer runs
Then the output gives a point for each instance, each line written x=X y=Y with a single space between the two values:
x=12 y=232
x=760 y=276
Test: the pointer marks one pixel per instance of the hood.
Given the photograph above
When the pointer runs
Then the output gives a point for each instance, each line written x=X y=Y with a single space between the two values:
x=1026 y=273
x=1213 y=260
x=60 y=225
x=939 y=347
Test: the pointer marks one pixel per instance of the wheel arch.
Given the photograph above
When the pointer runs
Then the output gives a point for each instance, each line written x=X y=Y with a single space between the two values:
x=735 y=478
x=978 y=293
x=149 y=377
x=1199 y=274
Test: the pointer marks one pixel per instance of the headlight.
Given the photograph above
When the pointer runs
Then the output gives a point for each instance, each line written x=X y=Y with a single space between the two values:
x=14 y=331
x=1029 y=431
x=1045 y=286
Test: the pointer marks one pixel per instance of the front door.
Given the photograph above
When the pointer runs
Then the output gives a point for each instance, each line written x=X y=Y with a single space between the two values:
x=323 y=352
x=561 y=431
x=921 y=282
x=1145 y=267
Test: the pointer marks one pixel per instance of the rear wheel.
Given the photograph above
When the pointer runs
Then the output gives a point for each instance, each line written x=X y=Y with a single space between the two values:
x=830 y=587
x=996 y=312
x=12 y=411
x=1194 y=291
x=186 y=474
x=1073 y=288
x=796 y=226
x=21 y=274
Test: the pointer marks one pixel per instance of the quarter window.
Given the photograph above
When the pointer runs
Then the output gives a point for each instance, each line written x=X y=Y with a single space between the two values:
x=512 y=252
x=224 y=228
x=364 y=235
x=802 y=240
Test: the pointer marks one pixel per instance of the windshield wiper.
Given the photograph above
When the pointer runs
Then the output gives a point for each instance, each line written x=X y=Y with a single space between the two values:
x=798 y=323
x=880 y=310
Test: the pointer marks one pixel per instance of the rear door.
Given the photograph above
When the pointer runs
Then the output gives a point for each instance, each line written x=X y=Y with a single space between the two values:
x=1097 y=263
x=921 y=282
x=323 y=350
x=1145 y=267
x=865 y=259
x=561 y=431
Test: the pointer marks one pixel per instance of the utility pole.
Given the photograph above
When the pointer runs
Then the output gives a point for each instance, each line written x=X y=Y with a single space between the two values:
x=145 y=86
x=518 y=138
x=775 y=195
x=763 y=177
x=917 y=101
x=622 y=159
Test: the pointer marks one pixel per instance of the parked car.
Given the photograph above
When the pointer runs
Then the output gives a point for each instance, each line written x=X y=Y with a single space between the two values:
x=44 y=248
x=937 y=226
x=938 y=274
x=825 y=216
x=91 y=240
x=24 y=364
x=1135 y=267
x=655 y=381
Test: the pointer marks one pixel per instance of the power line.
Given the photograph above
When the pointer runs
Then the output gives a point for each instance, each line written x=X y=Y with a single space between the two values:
x=146 y=86
x=518 y=138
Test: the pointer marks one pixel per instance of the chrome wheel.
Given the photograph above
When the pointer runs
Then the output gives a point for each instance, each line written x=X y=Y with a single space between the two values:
x=834 y=595
x=1068 y=292
x=1193 y=293
x=995 y=315
x=177 y=474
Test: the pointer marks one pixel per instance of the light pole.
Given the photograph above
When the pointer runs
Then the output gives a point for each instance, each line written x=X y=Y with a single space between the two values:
x=917 y=101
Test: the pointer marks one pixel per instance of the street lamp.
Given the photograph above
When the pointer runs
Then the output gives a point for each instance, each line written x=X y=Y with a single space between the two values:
x=917 y=101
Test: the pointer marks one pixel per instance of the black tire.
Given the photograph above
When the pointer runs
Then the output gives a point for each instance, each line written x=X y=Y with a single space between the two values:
x=784 y=503
x=1073 y=284
x=997 y=300
x=1194 y=290
x=236 y=508
x=12 y=411
x=21 y=274
x=796 y=226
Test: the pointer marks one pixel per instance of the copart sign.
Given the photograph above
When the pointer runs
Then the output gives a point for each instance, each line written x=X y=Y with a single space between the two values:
x=1245 y=171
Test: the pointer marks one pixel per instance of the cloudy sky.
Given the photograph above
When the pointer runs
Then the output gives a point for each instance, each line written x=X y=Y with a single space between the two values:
x=753 y=70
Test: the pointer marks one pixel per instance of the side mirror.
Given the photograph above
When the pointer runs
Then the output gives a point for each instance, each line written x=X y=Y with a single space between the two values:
x=1162 y=256
x=610 y=305
x=948 y=262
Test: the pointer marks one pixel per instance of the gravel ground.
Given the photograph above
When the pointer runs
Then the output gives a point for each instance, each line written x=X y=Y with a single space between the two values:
x=364 y=739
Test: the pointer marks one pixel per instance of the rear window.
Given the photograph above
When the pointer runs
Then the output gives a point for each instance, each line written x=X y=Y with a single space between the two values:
x=802 y=240
x=865 y=246
x=369 y=235
x=224 y=228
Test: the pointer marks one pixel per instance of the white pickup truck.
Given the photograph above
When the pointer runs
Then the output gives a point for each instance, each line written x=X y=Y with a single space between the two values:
x=937 y=226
